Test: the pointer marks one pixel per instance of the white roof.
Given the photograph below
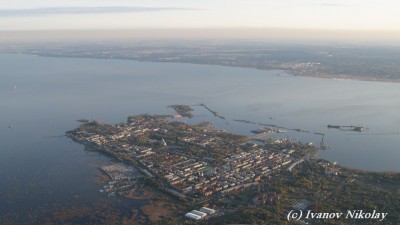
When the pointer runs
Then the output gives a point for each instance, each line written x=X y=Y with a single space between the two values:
x=198 y=213
x=207 y=210
x=192 y=216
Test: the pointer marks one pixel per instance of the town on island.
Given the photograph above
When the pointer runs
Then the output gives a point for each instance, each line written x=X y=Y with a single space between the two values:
x=208 y=171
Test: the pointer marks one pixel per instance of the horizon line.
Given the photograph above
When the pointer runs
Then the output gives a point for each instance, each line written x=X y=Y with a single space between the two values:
x=204 y=28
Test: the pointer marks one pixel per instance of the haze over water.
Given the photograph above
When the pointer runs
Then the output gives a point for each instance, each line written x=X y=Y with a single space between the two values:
x=43 y=97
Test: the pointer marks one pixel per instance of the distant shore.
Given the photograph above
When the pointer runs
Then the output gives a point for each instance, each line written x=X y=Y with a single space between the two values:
x=348 y=77
x=289 y=73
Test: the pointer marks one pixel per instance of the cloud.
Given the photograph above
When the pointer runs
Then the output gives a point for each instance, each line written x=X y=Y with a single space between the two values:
x=81 y=10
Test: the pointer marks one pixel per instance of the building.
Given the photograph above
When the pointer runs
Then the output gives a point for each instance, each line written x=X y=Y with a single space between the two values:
x=207 y=210
x=163 y=143
x=192 y=216
x=198 y=213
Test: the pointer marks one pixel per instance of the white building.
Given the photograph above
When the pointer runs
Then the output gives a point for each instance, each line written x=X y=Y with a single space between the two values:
x=207 y=210
x=198 y=213
x=192 y=216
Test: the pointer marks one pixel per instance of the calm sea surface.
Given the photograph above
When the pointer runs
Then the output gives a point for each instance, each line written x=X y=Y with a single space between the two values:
x=43 y=97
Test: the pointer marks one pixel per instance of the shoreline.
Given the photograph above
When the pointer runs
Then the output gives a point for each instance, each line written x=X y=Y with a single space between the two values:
x=349 y=77
x=286 y=72
x=356 y=170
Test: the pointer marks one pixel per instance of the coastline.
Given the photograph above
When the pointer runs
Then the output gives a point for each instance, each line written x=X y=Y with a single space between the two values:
x=286 y=72
x=348 y=77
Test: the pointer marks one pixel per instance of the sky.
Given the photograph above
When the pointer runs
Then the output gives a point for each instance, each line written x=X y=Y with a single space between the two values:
x=382 y=15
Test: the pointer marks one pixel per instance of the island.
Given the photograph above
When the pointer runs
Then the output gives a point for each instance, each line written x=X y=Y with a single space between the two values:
x=212 y=176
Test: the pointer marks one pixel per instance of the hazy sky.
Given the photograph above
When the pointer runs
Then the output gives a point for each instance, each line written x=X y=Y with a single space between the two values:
x=139 y=14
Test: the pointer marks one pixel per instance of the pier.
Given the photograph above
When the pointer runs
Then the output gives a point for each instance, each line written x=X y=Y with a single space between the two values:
x=213 y=112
